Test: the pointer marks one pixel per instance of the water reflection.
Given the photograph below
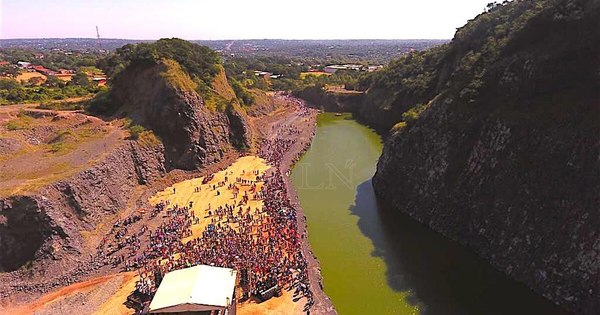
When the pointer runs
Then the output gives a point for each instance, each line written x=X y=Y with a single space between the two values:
x=442 y=276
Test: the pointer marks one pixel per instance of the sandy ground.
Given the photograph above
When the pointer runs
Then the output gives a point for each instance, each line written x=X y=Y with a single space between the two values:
x=207 y=197
x=278 y=305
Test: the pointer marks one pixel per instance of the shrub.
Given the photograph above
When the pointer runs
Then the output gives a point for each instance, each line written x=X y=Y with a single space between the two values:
x=136 y=131
x=148 y=138
x=410 y=116
x=398 y=127
x=15 y=124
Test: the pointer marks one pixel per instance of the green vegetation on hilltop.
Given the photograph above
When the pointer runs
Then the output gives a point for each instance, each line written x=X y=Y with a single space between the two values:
x=479 y=66
x=183 y=65
x=199 y=62
x=176 y=77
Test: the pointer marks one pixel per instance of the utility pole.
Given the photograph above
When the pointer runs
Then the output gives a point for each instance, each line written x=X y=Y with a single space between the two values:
x=98 y=38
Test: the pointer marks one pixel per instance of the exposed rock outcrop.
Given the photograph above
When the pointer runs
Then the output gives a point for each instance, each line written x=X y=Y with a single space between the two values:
x=506 y=160
x=193 y=134
x=47 y=225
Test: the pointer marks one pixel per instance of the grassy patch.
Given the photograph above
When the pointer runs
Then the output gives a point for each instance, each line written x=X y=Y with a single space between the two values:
x=60 y=147
x=215 y=102
x=136 y=131
x=142 y=135
x=22 y=122
x=63 y=105
x=398 y=127
x=148 y=139
x=176 y=76
x=303 y=75
x=412 y=115
x=64 y=142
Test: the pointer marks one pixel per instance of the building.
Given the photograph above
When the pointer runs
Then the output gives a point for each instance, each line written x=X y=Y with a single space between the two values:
x=100 y=81
x=43 y=70
x=200 y=290
x=335 y=68
x=24 y=64
x=374 y=68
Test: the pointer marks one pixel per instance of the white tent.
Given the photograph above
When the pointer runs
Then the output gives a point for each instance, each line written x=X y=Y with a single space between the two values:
x=195 y=289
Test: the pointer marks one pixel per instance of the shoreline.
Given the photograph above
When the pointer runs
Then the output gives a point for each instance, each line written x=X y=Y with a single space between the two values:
x=322 y=303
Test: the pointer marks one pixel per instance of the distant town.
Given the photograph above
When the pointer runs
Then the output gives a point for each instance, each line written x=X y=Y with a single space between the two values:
x=355 y=51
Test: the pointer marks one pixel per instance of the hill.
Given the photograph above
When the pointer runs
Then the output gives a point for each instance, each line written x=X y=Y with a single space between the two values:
x=179 y=91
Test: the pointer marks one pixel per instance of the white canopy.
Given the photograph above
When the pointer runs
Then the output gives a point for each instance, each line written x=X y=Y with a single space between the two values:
x=195 y=289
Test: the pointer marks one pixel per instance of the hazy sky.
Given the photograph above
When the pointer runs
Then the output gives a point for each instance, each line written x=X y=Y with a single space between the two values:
x=237 y=19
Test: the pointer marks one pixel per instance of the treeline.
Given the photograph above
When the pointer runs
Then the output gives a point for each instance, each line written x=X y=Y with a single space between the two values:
x=14 y=92
x=53 y=60
x=291 y=75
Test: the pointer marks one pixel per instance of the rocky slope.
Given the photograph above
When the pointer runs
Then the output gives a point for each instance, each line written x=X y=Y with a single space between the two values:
x=501 y=150
x=38 y=228
x=173 y=89
x=193 y=134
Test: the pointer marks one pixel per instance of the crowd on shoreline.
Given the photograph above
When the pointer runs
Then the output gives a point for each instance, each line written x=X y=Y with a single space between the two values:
x=264 y=245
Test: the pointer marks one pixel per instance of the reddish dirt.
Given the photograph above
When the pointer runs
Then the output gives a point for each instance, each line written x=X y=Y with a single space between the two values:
x=59 y=300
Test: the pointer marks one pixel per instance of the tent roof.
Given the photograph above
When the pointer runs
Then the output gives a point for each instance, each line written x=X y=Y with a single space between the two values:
x=199 y=288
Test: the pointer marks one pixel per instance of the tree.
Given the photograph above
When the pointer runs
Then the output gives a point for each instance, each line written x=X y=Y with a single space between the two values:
x=490 y=6
x=80 y=78
x=8 y=84
x=53 y=81
x=9 y=70
x=35 y=81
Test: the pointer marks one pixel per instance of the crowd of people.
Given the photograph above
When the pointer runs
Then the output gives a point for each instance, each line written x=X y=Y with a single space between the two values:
x=262 y=243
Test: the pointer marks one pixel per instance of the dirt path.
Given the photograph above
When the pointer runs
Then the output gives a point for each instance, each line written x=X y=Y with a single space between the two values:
x=13 y=107
x=81 y=297
x=307 y=126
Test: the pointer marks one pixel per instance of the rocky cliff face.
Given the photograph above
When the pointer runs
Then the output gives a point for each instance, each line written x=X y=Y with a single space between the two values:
x=47 y=226
x=506 y=160
x=357 y=103
x=193 y=134
x=50 y=233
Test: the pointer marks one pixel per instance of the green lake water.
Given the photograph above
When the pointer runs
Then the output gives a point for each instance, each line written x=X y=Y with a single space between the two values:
x=382 y=262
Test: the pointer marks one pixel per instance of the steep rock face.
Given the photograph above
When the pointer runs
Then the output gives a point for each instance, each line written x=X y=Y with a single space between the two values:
x=330 y=102
x=509 y=164
x=193 y=134
x=37 y=229
x=523 y=196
